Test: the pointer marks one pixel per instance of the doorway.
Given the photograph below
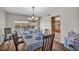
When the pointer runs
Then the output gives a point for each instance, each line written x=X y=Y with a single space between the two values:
x=55 y=27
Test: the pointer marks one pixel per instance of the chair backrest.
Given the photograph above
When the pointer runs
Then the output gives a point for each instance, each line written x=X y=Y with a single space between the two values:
x=48 y=42
x=6 y=32
x=15 y=38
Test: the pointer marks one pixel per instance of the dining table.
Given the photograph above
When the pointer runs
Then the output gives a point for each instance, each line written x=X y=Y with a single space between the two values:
x=32 y=41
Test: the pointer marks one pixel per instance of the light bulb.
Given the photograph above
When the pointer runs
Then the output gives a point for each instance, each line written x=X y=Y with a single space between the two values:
x=36 y=18
x=32 y=17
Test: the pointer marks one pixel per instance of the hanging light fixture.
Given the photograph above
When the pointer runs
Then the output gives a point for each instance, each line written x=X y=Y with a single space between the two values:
x=33 y=18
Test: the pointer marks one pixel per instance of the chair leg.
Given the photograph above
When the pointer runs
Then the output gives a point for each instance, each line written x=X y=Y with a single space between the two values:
x=16 y=47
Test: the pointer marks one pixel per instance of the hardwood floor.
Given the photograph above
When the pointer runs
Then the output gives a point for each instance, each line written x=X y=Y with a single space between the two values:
x=59 y=47
x=9 y=46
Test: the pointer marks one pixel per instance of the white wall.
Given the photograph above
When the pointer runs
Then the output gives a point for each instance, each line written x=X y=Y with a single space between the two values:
x=69 y=20
x=10 y=18
x=45 y=23
x=2 y=20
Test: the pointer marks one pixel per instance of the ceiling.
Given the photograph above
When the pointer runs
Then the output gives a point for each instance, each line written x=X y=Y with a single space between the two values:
x=38 y=11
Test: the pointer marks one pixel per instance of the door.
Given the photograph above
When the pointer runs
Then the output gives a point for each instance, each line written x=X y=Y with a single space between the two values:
x=55 y=27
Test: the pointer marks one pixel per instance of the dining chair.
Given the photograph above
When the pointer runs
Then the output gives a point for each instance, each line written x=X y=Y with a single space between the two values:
x=16 y=38
x=48 y=42
x=6 y=32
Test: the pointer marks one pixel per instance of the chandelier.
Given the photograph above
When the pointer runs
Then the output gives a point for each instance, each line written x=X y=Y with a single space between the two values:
x=33 y=17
